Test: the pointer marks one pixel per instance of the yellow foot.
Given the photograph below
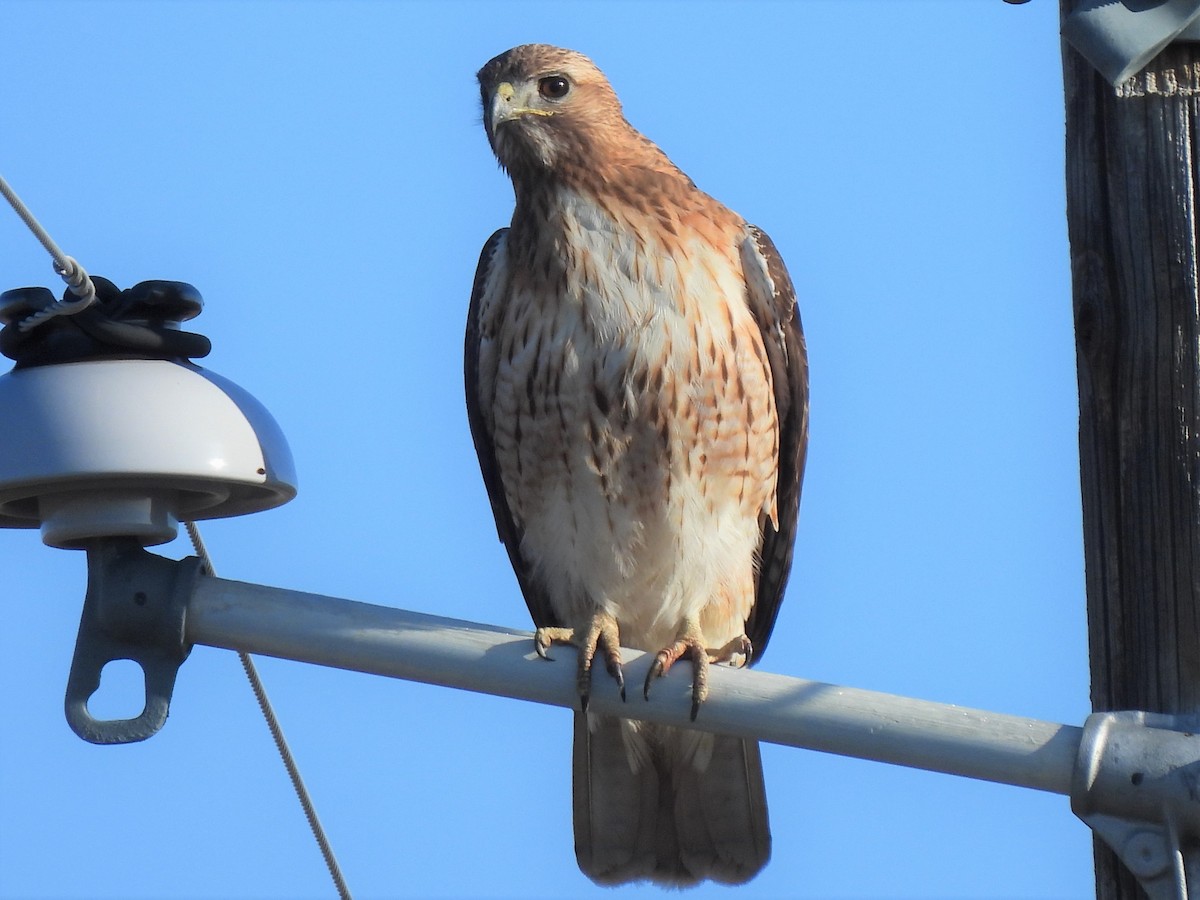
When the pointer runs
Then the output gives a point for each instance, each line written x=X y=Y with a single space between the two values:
x=689 y=642
x=543 y=638
x=600 y=635
x=738 y=653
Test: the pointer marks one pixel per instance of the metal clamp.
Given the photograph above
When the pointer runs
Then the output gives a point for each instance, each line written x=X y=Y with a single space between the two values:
x=1137 y=786
x=134 y=609
x=1119 y=37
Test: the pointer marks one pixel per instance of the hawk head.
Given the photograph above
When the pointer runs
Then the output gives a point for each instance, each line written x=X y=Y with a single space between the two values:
x=546 y=109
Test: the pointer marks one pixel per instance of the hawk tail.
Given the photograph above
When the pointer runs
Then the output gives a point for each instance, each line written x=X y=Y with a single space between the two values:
x=667 y=804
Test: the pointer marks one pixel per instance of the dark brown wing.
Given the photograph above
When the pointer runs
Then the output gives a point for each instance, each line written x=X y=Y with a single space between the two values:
x=486 y=283
x=772 y=300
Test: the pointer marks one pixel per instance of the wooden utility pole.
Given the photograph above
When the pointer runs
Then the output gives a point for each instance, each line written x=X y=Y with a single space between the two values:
x=1133 y=177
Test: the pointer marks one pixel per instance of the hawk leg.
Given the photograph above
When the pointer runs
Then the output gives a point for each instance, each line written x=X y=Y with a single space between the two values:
x=601 y=635
x=689 y=642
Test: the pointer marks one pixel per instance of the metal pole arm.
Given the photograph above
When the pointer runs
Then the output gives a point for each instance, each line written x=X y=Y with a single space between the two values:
x=1132 y=777
x=753 y=704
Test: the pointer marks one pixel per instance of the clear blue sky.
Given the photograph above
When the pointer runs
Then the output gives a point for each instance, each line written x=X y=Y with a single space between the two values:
x=318 y=171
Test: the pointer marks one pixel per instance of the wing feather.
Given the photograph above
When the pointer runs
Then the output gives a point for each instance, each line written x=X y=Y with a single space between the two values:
x=772 y=301
x=491 y=283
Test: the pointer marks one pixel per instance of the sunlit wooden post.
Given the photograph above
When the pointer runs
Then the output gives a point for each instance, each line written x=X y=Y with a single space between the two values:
x=1131 y=166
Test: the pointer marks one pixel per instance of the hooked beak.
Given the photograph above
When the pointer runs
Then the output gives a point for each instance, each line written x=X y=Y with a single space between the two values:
x=510 y=103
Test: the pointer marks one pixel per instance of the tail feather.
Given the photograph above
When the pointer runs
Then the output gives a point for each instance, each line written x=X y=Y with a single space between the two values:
x=666 y=804
x=721 y=813
x=615 y=818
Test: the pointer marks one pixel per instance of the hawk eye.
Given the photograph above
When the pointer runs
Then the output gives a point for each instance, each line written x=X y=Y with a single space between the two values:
x=554 y=87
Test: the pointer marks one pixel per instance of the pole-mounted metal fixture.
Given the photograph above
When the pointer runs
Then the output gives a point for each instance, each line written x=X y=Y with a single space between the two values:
x=118 y=437
x=1133 y=777
x=1119 y=37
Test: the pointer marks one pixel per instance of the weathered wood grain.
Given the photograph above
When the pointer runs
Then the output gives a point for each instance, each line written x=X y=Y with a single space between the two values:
x=1131 y=168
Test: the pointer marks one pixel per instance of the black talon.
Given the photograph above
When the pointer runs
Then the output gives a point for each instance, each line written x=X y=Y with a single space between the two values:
x=619 y=677
x=585 y=687
x=583 y=682
x=656 y=669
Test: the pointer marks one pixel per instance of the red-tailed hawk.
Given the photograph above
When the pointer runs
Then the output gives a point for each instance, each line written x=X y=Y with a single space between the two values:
x=637 y=387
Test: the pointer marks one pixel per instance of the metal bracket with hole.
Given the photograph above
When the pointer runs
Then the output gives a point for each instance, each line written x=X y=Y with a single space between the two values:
x=1137 y=786
x=134 y=609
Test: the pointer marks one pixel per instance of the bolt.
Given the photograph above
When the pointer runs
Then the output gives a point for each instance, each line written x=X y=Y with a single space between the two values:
x=1146 y=854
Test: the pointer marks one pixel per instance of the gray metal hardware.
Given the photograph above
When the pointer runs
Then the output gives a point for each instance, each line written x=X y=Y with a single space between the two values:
x=1137 y=785
x=134 y=609
x=1133 y=777
x=1119 y=37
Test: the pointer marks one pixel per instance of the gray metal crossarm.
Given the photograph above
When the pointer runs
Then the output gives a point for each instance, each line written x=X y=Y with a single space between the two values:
x=847 y=721
x=1133 y=777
